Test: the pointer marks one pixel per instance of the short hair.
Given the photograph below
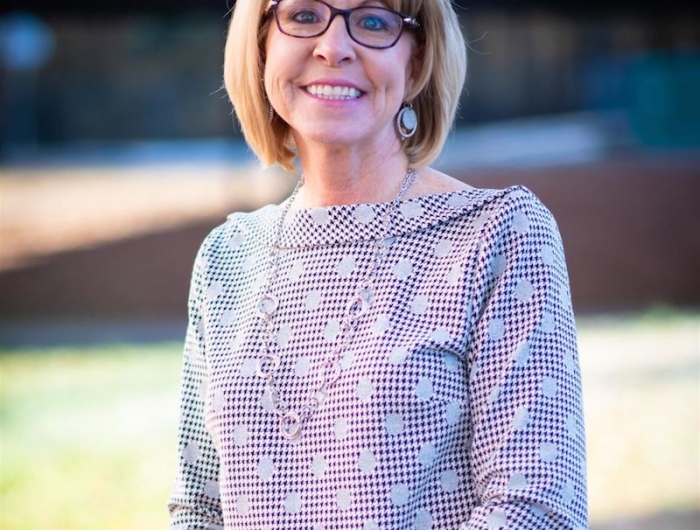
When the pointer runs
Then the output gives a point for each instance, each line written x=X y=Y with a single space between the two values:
x=434 y=96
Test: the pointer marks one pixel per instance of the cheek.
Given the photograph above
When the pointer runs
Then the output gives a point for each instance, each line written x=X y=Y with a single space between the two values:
x=396 y=73
x=272 y=80
x=281 y=66
x=273 y=62
x=278 y=89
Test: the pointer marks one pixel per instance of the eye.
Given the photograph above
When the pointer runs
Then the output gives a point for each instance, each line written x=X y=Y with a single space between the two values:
x=372 y=23
x=305 y=16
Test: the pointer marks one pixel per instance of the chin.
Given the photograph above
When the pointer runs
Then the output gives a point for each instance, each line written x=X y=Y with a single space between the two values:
x=336 y=136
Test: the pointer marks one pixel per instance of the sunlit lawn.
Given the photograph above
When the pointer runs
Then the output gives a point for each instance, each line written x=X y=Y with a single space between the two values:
x=88 y=435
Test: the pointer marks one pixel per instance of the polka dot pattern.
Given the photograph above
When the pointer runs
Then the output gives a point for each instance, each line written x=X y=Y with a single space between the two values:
x=381 y=325
x=266 y=468
x=364 y=213
x=443 y=248
x=284 y=335
x=496 y=329
x=424 y=389
x=399 y=494
x=398 y=355
x=394 y=424
x=517 y=481
x=302 y=366
x=497 y=519
x=548 y=452
x=341 y=428
x=191 y=453
x=423 y=520
x=403 y=269
x=320 y=216
x=211 y=489
x=364 y=390
x=242 y=505
x=248 y=367
x=453 y=412
x=292 y=502
x=411 y=209
x=318 y=466
x=427 y=455
x=313 y=300
x=419 y=305
x=241 y=435
x=449 y=480
x=461 y=378
x=367 y=462
x=343 y=499
x=296 y=270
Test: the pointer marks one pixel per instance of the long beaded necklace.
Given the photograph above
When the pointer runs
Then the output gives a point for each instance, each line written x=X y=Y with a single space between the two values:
x=291 y=421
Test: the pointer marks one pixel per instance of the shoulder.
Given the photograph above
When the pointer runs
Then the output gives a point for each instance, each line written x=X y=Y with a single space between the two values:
x=520 y=235
x=239 y=227
x=503 y=203
x=520 y=252
x=515 y=230
x=433 y=182
x=517 y=213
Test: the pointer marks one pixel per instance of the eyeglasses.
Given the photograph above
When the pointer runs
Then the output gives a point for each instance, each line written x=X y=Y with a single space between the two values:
x=373 y=27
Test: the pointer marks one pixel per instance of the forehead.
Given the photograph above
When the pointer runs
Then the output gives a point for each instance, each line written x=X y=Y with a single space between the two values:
x=404 y=6
x=397 y=5
x=409 y=7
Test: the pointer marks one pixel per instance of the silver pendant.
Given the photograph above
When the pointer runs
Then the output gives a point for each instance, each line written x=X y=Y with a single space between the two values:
x=407 y=122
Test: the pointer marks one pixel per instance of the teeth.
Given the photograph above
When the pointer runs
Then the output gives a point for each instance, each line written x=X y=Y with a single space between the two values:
x=334 y=92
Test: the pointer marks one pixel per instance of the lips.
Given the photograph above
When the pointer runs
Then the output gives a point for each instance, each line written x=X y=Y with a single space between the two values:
x=333 y=92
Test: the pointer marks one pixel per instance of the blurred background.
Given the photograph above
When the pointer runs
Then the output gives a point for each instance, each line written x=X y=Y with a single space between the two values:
x=119 y=152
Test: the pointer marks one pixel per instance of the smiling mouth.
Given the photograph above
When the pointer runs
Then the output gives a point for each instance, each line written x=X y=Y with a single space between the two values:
x=333 y=92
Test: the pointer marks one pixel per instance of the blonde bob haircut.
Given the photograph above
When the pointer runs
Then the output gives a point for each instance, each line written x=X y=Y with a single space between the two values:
x=435 y=94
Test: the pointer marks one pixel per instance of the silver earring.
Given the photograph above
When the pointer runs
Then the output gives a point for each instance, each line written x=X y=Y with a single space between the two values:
x=270 y=113
x=407 y=121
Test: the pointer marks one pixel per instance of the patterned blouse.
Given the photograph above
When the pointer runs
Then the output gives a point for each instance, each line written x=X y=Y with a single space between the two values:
x=459 y=402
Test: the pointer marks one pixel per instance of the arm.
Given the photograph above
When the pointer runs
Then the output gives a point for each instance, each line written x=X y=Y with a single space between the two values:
x=194 y=501
x=527 y=448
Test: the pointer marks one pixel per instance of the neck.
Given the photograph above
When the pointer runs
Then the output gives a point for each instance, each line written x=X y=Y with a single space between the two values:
x=335 y=176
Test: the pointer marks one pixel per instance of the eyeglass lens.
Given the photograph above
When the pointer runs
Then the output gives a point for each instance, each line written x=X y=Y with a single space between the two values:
x=371 y=26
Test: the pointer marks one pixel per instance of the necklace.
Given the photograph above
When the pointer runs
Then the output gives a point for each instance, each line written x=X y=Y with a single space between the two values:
x=291 y=421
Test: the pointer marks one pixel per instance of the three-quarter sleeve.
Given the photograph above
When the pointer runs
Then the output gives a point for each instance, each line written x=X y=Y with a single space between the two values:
x=194 y=502
x=527 y=443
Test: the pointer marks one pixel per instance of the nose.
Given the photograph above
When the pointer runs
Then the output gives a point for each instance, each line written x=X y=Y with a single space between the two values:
x=335 y=45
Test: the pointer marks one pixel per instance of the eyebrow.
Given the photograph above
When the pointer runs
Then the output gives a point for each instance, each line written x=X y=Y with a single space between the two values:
x=374 y=3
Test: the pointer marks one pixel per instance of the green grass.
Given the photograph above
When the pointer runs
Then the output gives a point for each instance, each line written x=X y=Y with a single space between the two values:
x=642 y=407
x=88 y=436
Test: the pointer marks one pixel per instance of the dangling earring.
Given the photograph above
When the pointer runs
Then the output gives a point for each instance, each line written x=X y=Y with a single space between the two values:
x=407 y=121
x=270 y=113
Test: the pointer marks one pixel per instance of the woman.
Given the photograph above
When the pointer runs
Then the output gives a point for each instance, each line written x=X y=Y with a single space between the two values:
x=389 y=348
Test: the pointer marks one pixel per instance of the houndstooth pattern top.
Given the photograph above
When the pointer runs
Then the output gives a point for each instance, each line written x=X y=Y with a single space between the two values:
x=459 y=404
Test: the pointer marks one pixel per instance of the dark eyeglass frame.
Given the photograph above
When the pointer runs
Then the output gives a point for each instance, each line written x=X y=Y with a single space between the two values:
x=407 y=22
